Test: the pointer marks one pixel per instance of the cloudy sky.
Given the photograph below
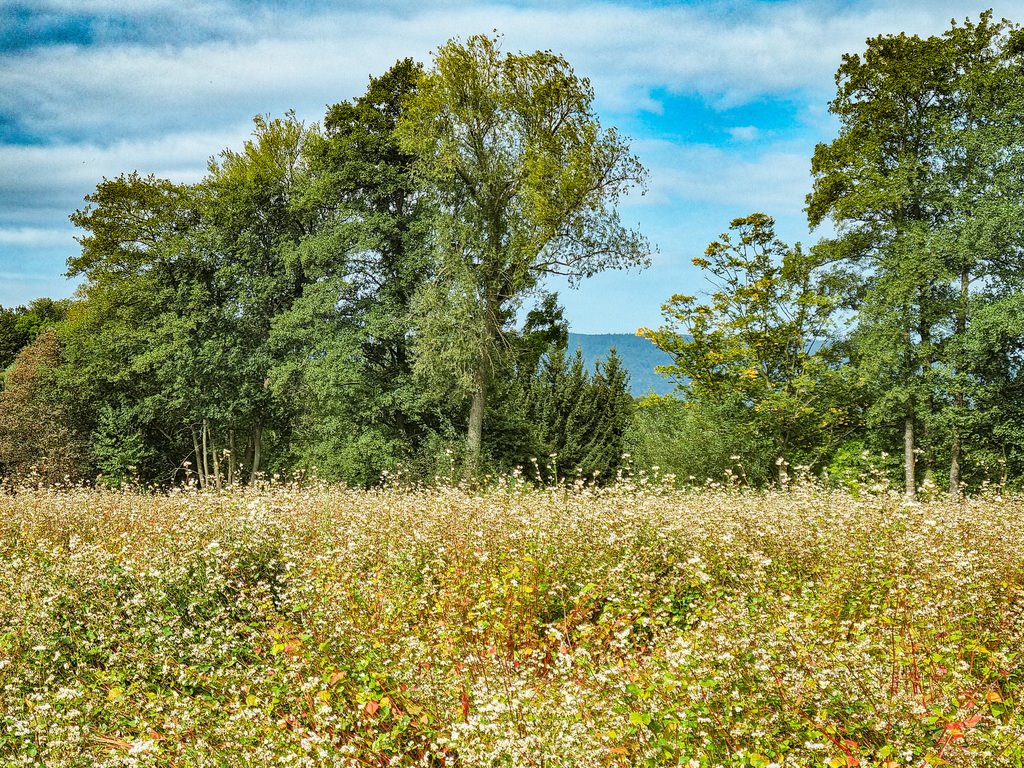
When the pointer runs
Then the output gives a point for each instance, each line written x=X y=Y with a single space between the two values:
x=723 y=101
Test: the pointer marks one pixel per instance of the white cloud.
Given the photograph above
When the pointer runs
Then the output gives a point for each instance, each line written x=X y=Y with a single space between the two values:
x=45 y=179
x=36 y=237
x=774 y=180
x=743 y=132
x=73 y=114
x=286 y=59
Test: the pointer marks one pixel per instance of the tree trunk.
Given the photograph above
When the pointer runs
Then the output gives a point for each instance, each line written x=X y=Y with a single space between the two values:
x=257 y=448
x=215 y=460
x=481 y=378
x=922 y=435
x=909 y=458
x=955 y=454
x=954 y=465
x=198 y=457
x=475 y=430
x=231 y=457
x=206 y=464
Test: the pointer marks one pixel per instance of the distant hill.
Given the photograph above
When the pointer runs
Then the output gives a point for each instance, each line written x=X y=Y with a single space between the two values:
x=638 y=355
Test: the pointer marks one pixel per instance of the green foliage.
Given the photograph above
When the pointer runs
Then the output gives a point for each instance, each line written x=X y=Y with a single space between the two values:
x=524 y=181
x=856 y=468
x=118 y=445
x=759 y=345
x=40 y=432
x=346 y=340
x=20 y=326
x=183 y=285
x=579 y=419
x=698 y=443
x=924 y=186
x=352 y=298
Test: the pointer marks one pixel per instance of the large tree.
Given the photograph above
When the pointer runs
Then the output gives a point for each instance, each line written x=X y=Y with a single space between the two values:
x=346 y=342
x=525 y=181
x=183 y=286
x=923 y=185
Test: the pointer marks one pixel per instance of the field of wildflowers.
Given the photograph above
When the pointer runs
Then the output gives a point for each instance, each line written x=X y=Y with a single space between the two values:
x=561 y=626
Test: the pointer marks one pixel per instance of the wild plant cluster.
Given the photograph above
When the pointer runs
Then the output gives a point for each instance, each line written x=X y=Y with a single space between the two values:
x=634 y=625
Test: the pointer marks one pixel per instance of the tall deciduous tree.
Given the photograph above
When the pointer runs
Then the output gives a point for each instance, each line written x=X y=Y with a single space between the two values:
x=759 y=342
x=526 y=181
x=256 y=206
x=348 y=339
x=924 y=186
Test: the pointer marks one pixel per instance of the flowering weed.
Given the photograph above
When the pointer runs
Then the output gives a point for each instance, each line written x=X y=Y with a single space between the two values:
x=560 y=626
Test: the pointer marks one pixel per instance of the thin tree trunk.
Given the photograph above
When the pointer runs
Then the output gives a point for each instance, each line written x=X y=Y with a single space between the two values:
x=955 y=454
x=922 y=436
x=206 y=464
x=231 y=457
x=257 y=448
x=215 y=460
x=475 y=430
x=954 y=465
x=909 y=458
x=198 y=457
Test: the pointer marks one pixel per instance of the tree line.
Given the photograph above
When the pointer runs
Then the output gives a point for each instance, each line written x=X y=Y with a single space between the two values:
x=367 y=296
x=354 y=299
x=902 y=332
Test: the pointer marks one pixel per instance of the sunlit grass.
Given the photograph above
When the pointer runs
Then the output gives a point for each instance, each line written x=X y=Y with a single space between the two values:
x=637 y=625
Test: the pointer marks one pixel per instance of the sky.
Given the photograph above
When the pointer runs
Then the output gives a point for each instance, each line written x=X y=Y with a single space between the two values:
x=723 y=101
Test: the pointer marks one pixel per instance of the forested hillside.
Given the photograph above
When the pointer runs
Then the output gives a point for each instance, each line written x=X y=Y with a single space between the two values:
x=368 y=296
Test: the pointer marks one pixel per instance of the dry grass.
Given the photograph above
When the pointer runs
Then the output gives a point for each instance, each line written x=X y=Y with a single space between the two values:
x=562 y=626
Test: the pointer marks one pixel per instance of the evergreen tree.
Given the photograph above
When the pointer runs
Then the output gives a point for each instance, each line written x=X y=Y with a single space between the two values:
x=580 y=419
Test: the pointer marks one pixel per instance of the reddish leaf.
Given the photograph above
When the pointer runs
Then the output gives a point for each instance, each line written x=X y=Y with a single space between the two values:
x=371 y=707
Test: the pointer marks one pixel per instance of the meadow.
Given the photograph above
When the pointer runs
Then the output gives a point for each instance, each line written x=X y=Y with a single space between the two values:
x=636 y=625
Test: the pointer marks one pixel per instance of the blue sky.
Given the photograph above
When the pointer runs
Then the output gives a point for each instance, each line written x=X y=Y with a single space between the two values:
x=723 y=101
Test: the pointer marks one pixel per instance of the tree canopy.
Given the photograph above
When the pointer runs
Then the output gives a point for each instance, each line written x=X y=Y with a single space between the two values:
x=368 y=297
x=525 y=182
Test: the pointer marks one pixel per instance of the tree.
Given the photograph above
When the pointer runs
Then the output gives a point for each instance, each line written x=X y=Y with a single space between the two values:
x=125 y=339
x=525 y=182
x=21 y=326
x=580 y=419
x=698 y=442
x=759 y=345
x=346 y=342
x=192 y=279
x=257 y=208
x=923 y=184
x=38 y=429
